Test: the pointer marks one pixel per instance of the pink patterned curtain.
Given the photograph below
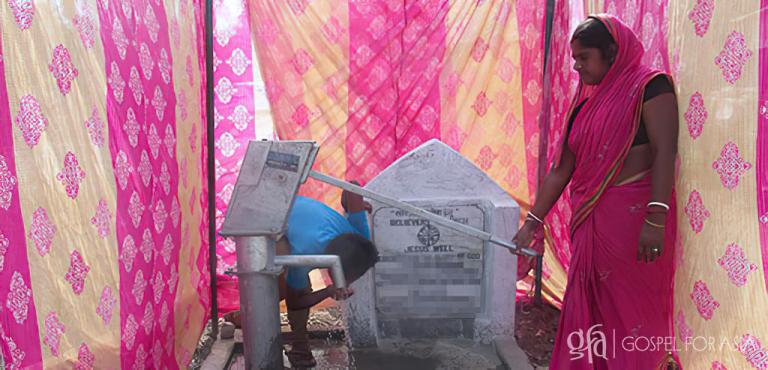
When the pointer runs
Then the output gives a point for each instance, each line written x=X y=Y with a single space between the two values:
x=716 y=52
x=100 y=171
x=240 y=115
x=102 y=200
x=372 y=80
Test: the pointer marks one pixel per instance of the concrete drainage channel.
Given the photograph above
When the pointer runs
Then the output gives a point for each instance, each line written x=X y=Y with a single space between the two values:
x=393 y=354
x=331 y=352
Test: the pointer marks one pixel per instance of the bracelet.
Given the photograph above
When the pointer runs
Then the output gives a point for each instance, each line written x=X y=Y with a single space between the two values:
x=653 y=224
x=534 y=217
x=660 y=204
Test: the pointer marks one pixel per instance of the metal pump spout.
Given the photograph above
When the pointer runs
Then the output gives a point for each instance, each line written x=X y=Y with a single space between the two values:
x=331 y=262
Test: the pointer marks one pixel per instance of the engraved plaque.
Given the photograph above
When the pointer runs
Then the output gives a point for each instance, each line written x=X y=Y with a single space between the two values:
x=426 y=270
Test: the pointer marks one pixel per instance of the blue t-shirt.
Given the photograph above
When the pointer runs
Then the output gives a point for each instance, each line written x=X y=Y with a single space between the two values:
x=311 y=226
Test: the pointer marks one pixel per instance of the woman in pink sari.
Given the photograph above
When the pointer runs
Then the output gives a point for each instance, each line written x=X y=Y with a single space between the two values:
x=618 y=156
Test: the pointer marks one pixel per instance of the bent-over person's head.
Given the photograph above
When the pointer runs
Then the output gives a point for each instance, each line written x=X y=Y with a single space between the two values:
x=357 y=254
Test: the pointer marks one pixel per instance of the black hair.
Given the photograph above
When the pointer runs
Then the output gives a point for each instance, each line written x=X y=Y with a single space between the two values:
x=592 y=33
x=357 y=253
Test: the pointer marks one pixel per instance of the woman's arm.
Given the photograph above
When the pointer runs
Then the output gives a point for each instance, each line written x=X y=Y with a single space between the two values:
x=660 y=117
x=661 y=123
x=554 y=183
x=549 y=192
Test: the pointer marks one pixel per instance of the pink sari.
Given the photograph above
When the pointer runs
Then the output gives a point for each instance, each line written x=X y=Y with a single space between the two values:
x=627 y=304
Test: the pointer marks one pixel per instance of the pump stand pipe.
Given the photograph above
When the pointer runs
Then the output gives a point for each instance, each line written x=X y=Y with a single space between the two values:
x=259 y=302
x=258 y=270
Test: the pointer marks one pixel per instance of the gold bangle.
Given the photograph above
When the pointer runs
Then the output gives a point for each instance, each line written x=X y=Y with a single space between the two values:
x=653 y=224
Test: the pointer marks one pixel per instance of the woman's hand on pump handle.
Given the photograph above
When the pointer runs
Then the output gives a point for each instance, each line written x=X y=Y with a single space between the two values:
x=528 y=233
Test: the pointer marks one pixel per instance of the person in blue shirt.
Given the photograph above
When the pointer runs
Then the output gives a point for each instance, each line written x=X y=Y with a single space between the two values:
x=315 y=228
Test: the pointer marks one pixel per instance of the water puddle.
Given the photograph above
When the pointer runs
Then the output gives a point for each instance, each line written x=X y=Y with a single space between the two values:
x=332 y=353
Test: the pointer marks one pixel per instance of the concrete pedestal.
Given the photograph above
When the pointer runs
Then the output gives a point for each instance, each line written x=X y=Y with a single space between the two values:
x=432 y=282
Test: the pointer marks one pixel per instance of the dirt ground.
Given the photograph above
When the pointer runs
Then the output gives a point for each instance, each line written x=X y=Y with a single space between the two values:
x=535 y=329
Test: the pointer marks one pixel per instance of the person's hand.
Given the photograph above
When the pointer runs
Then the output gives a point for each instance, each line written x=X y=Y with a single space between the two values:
x=352 y=202
x=651 y=244
x=526 y=235
x=340 y=294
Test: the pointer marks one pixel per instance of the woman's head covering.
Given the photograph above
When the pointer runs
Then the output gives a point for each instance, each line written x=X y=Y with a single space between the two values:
x=604 y=129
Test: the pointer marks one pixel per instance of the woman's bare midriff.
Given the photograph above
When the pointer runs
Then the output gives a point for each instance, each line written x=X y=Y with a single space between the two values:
x=637 y=163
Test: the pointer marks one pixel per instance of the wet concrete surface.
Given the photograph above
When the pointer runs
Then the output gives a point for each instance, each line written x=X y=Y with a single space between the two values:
x=400 y=355
x=336 y=356
x=327 y=340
